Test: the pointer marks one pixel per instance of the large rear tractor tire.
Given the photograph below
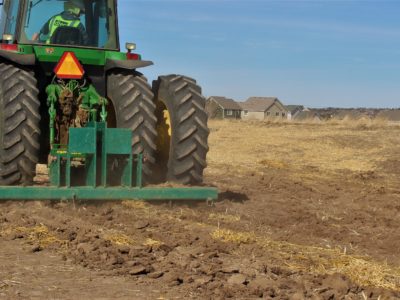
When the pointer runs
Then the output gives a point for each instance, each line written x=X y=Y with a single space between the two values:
x=132 y=99
x=19 y=125
x=182 y=143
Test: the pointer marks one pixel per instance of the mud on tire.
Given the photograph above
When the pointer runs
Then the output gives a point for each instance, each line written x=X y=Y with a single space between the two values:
x=132 y=99
x=184 y=158
x=19 y=125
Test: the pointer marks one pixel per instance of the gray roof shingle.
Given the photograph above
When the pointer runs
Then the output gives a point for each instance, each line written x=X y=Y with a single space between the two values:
x=226 y=103
x=259 y=104
x=294 y=108
x=307 y=115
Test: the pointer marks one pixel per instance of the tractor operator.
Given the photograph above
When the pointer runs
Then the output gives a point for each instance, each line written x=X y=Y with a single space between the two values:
x=70 y=17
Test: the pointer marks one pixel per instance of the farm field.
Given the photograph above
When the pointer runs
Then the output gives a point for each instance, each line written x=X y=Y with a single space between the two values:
x=306 y=211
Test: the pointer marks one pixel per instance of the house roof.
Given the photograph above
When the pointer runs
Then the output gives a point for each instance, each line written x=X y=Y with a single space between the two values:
x=226 y=103
x=307 y=115
x=294 y=108
x=259 y=103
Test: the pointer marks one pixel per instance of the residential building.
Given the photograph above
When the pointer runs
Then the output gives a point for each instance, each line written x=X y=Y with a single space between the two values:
x=307 y=115
x=293 y=111
x=222 y=108
x=263 y=108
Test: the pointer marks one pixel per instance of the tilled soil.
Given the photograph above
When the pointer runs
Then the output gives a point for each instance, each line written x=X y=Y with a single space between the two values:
x=270 y=235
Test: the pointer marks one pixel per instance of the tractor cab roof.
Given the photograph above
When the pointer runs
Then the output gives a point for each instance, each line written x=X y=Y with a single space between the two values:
x=72 y=23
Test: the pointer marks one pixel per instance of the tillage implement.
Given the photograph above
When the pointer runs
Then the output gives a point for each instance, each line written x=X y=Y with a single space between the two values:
x=69 y=98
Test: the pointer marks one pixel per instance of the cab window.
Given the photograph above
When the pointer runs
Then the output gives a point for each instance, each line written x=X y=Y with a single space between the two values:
x=86 y=23
x=9 y=14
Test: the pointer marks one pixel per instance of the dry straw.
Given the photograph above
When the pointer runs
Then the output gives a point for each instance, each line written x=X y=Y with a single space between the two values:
x=151 y=242
x=224 y=217
x=318 y=260
x=119 y=239
x=39 y=234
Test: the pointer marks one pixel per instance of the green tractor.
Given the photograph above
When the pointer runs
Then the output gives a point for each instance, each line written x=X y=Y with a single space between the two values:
x=71 y=99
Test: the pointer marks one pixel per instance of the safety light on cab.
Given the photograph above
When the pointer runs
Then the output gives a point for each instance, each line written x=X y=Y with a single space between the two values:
x=130 y=47
x=7 y=39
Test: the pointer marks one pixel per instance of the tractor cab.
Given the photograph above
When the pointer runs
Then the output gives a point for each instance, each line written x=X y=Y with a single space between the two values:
x=76 y=23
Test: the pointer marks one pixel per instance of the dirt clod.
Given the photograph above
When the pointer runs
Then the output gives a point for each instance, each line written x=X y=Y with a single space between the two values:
x=36 y=248
x=141 y=224
x=237 y=279
x=138 y=270
x=156 y=275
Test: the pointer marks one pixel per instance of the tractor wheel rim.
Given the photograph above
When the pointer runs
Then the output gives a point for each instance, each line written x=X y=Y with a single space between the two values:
x=164 y=131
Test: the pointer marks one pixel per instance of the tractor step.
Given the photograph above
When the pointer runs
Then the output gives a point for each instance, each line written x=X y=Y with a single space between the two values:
x=107 y=193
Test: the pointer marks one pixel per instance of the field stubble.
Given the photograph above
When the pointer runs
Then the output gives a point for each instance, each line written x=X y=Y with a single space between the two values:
x=309 y=150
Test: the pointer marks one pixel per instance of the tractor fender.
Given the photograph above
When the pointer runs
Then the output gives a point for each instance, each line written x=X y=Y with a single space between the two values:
x=126 y=64
x=21 y=59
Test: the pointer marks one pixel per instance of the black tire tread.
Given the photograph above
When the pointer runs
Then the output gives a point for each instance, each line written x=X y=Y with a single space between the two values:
x=20 y=122
x=189 y=142
x=132 y=98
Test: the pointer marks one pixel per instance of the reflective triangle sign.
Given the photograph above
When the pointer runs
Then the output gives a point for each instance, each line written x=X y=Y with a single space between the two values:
x=69 y=67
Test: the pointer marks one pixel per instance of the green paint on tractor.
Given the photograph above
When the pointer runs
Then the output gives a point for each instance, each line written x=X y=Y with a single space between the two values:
x=86 y=56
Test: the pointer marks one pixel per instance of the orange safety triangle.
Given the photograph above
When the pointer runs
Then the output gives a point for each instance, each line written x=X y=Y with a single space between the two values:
x=69 y=67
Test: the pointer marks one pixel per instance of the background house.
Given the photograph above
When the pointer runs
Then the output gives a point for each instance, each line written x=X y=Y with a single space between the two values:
x=223 y=108
x=263 y=108
x=293 y=111
x=307 y=115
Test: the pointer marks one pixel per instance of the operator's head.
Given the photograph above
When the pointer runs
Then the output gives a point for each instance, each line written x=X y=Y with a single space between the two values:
x=75 y=7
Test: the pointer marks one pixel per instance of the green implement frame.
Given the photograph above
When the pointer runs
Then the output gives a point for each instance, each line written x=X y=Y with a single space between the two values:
x=98 y=164
x=109 y=193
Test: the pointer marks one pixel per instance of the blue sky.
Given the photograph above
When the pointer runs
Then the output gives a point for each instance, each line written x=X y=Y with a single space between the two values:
x=316 y=53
